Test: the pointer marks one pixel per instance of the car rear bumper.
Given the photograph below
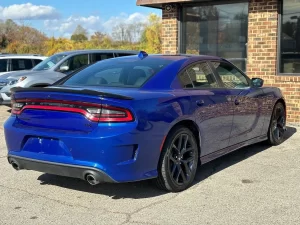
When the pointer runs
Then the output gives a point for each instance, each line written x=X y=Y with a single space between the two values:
x=116 y=151
x=68 y=170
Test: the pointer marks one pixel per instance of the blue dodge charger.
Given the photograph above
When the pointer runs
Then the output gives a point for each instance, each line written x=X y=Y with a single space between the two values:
x=142 y=117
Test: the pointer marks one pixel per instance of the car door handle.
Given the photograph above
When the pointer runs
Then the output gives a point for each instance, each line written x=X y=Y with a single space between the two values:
x=236 y=102
x=200 y=102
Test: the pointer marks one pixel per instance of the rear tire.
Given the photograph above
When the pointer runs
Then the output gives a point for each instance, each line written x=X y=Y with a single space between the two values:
x=277 y=125
x=178 y=162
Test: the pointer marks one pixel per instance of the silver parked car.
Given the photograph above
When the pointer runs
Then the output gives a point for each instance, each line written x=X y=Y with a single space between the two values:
x=53 y=69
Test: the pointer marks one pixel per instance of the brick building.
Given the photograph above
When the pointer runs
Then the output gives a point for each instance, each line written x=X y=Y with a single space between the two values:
x=262 y=37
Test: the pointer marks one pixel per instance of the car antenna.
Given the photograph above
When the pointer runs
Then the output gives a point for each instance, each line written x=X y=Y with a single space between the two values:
x=142 y=54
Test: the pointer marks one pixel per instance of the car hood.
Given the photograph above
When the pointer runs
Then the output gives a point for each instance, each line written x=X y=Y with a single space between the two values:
x=18 y=74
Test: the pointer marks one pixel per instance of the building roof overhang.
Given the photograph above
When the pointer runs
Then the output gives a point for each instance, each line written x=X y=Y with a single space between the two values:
x=159 y=3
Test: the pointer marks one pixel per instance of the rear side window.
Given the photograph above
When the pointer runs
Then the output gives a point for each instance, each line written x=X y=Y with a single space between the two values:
x=101 y=56
x=124 y=54
x=21 y=64
x=37 y=61
x=198 y=76
x=118 y=72
x=3 y=65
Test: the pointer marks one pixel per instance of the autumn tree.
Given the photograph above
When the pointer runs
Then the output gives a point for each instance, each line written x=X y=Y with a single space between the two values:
x=21 y=38
x=119 y=32
x=80 y=34
x=16 y=38
x=151 y=36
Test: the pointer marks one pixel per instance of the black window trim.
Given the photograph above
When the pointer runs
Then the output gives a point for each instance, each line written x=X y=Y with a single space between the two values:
x=219 y=77
x=279 y=26
x=198 y=88
x=182 y=28
x=9 y=65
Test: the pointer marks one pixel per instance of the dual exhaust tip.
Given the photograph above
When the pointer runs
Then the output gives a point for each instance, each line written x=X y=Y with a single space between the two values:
x=90 y=176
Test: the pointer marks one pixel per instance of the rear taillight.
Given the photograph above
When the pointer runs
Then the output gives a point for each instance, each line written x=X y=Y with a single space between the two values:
x=16 y=107
x=92 y=111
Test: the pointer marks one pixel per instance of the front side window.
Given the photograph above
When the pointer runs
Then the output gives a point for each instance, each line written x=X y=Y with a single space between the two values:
x=74 y=63
x=3 y=65
x=219 y=30
x=21 y=64
x=230 y=76
x=290 y=37
x=198 y=76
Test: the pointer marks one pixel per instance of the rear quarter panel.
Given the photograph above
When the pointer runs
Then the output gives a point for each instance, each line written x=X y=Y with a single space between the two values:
x=270 y=96
x=156 y=114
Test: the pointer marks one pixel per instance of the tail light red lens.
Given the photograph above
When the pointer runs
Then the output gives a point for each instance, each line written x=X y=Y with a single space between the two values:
x=92 y=111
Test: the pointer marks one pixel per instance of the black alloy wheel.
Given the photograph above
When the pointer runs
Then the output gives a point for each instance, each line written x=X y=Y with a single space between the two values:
x=277 y=125
x=179 y=159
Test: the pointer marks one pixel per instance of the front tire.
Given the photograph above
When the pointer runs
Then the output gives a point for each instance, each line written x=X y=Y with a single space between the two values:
x=178 y=162
x=277 y=125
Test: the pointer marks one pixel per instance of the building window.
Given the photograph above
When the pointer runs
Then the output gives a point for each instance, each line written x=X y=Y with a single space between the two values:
x=219 y=29
x=290 y=37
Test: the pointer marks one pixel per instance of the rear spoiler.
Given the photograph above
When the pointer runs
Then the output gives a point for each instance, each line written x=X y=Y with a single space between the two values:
x=65 y=90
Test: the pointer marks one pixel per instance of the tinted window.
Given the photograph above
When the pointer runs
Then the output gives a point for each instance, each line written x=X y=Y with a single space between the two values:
x=118 y=72
x=101 y=56
x=239 y=63
x=230 y=76
x=74 y=63
x=290 y=37
x=198 y=76
x=49 y=62
x=3 y=65
x=125 y=54
x=21 y=64
x=37 y=61
x=216 y=29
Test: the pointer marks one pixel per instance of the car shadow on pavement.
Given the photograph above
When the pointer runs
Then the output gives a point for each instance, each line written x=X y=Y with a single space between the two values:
x=237 y=156
x=146 y=189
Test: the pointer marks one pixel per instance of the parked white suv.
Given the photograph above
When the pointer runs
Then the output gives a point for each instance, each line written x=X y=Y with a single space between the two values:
x=14 y=62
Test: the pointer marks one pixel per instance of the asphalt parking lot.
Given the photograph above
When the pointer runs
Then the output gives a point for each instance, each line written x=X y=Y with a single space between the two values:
x=255 y=185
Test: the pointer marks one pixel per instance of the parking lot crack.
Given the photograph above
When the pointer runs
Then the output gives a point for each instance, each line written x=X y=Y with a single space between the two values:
x=129 y=219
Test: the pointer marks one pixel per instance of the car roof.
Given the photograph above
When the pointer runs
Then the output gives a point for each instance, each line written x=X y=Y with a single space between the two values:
x=74 y=52
x=23 y=57
x=176 y=57
x=12 y=54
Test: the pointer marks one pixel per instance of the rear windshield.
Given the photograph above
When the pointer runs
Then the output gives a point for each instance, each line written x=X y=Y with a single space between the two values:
x=119 y=72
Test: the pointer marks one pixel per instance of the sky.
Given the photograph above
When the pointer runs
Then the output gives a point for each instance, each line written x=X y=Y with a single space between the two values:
x=59 y=18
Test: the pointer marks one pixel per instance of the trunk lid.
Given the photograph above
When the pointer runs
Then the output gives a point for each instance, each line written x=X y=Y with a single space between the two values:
x=68 y=109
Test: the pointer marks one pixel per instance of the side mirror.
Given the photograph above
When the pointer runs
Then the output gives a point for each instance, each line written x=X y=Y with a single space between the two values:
x=63 y=68
x=257 y=82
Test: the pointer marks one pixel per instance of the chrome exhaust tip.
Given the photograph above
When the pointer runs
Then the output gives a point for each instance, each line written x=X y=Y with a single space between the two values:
x=92 y=180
